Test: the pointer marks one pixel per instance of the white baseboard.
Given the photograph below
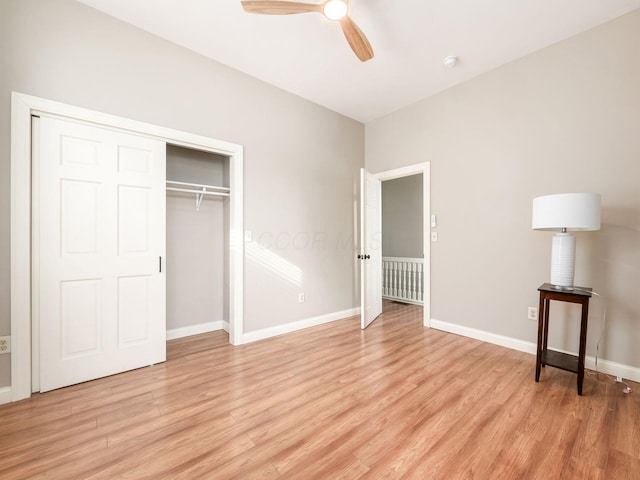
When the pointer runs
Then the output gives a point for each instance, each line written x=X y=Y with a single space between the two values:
x=488 y=337
x=604 y=366
x=5 y=395
x=197 y=329
x=298 y=325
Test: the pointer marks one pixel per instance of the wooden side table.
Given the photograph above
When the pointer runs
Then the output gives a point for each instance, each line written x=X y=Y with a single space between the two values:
x=571 y=363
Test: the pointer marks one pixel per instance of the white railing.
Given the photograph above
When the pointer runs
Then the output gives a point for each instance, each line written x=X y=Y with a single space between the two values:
x=403 y=279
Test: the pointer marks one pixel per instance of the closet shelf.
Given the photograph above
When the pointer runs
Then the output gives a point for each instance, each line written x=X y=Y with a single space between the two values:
x=199 y=190
x=196 y=187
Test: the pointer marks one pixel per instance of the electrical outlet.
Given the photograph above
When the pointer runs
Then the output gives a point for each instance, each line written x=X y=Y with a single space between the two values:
x=532 y=313
x=5 y=345
x=434 y=236
x=301 y=297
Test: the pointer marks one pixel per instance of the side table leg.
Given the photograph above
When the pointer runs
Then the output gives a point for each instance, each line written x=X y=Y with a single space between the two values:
x=545 y=321
x=540 y=330
x=583 y=343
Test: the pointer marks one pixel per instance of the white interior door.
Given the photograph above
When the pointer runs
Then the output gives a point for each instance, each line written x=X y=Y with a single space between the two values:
x=370 y=248
x=101 y=241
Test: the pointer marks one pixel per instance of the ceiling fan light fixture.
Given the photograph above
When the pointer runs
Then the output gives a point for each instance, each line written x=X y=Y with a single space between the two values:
x=335 y=9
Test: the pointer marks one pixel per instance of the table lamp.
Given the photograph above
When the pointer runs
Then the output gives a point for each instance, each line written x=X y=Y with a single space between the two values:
x=561 y=213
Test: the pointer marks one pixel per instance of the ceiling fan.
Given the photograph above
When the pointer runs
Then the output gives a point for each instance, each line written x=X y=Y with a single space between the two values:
x=336 y=10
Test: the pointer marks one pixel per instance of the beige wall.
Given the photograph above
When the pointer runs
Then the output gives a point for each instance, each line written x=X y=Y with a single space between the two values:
x=295 y=151
x=402 y=207
x=564 y=119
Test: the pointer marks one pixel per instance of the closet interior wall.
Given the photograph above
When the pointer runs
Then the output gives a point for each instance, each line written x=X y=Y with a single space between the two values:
x=197 y=242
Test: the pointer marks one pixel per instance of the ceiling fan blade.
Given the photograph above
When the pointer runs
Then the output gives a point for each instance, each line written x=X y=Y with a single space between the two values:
x=272 y=7
x=357 y=40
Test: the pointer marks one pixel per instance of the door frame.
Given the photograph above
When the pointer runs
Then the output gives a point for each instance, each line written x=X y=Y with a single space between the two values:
x=425 y=169
x=22 y=108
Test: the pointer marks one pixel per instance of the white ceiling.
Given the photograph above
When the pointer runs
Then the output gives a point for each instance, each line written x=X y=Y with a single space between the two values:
x=308 y=55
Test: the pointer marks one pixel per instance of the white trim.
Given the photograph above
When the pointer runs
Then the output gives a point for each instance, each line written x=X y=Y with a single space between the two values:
x=235 y=325
x=20 y=247
x=604 y=366
x=22 y=107
x=425 y=169
x=299 y=325
x=488 y=337
x=407 y=171
x=35 y=258
x=5 y=395
x=613 y=368
x=182 y=332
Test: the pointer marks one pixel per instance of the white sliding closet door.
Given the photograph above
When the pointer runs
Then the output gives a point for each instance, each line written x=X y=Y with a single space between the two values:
x=101 y=218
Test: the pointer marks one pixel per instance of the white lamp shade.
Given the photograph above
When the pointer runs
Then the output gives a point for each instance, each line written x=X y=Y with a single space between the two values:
x=573 y=211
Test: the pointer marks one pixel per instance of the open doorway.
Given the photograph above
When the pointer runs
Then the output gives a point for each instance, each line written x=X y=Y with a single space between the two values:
x=403 y=241
x=419 y=175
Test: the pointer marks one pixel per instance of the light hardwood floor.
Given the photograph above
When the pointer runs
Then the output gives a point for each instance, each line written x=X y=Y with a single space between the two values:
x=334 y=402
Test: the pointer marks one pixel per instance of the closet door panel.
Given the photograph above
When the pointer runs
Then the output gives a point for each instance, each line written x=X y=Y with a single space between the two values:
x=134 y=160
x=101 y=231
x=133 y=311
x=79 y=207
x=79 y=151
x=80 y=315
x=134 y=216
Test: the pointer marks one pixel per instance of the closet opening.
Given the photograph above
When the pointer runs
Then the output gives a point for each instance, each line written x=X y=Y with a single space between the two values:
x=198 y=241
x=24 y=284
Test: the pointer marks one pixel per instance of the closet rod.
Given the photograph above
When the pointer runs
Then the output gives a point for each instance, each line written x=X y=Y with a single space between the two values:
x=198 y=185
x=198 y=192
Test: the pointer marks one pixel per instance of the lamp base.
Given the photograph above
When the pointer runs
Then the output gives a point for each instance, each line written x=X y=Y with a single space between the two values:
x=563 y=260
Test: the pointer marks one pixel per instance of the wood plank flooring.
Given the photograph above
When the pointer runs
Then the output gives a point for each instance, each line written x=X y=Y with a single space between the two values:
x=394 y=401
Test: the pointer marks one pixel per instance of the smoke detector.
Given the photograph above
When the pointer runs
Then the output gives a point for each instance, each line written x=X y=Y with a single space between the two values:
x=450 y=61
